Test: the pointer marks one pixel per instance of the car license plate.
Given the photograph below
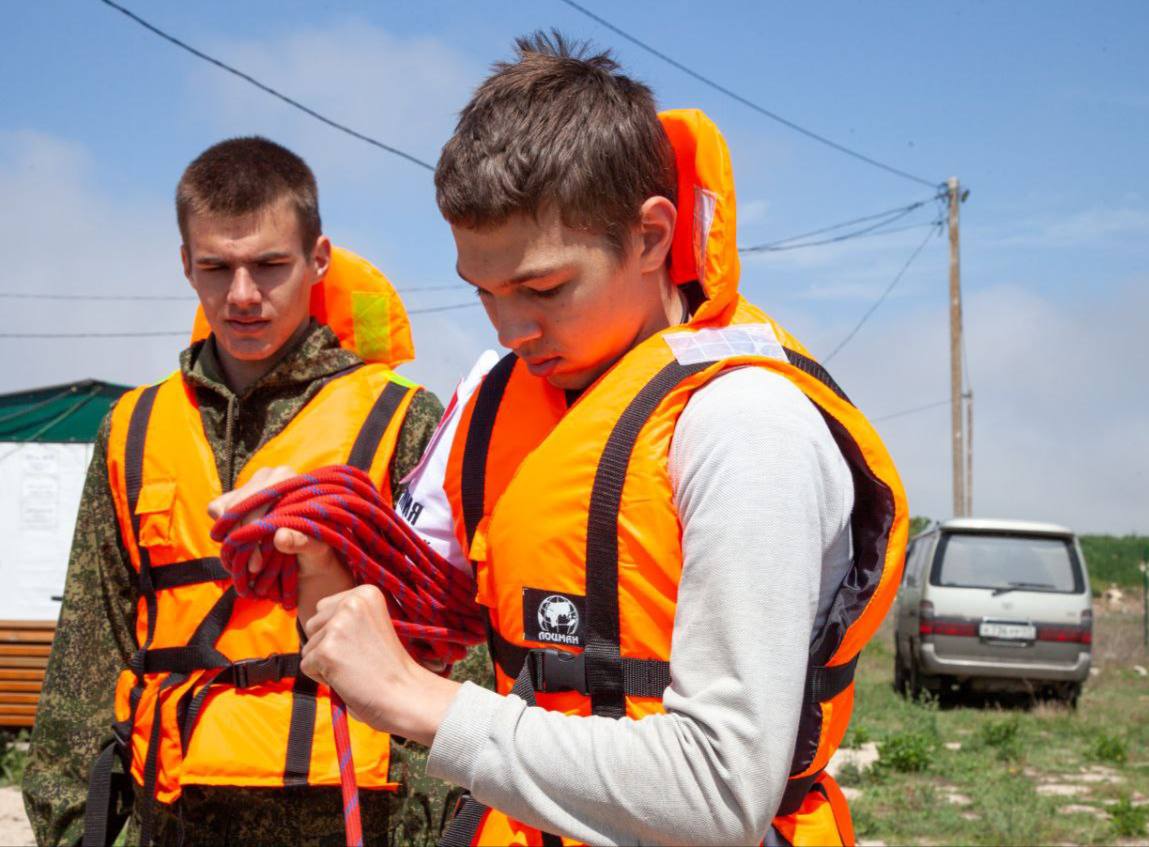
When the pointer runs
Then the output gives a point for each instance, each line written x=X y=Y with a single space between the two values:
x=1008 y=631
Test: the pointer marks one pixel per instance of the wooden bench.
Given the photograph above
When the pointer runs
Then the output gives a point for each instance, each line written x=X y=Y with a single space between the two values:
x=24 y=649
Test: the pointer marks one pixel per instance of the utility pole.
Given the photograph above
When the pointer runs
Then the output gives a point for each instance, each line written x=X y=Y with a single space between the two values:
x=969 y=453
x=955 y=352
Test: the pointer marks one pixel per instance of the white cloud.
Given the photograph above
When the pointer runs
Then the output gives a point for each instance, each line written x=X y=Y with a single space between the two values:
x=1061 y=424
x=59 y=235
x=1087 y=228
x=404 y=92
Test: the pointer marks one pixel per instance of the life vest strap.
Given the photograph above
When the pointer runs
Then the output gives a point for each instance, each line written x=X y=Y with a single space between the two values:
x=378 y=419
x=188 y=572
x=110 y=792
x=825 y=683
x=555 y=670
x=473 y=480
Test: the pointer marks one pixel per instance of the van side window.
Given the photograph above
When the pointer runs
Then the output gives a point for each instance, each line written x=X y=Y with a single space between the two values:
x=913 y=562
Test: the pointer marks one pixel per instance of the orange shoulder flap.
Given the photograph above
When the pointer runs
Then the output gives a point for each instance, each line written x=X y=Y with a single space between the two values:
x=705 y=248
x=360 y=305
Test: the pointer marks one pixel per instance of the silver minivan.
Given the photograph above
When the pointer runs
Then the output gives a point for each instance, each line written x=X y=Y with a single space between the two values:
x=994 y=605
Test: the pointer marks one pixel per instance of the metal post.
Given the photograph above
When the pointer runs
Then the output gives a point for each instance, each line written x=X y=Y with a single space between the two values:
x=1145 y=602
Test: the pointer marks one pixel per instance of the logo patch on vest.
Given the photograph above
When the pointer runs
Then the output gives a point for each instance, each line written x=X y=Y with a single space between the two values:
x=553 y=617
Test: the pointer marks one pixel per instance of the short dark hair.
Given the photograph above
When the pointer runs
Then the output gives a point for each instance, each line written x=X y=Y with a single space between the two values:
x=240 y=176
x=559 y=125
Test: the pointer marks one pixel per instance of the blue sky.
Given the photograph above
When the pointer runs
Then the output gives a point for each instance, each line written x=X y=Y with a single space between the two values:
x=1042 y=110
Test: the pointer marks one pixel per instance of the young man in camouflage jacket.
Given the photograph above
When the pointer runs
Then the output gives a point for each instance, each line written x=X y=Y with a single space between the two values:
x=252 y=249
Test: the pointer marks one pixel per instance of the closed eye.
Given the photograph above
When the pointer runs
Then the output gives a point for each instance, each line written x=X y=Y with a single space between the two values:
x=546 y=293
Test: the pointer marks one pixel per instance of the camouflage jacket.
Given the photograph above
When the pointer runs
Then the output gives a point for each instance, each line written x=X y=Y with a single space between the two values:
x=95 y=636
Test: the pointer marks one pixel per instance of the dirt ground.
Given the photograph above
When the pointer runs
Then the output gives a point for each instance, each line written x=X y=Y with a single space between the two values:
x=14 y=828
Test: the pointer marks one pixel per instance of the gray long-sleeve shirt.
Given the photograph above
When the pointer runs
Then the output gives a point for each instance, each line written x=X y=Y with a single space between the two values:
x=765 y=497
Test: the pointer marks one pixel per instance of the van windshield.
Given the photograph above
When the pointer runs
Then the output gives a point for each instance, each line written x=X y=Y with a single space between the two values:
x=1007 y=563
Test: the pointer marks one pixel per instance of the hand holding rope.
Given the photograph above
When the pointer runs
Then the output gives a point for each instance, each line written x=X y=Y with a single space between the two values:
x=430 y=601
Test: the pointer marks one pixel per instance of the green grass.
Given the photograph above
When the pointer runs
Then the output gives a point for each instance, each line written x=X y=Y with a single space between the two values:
x=1114 y=559
x=986 y=791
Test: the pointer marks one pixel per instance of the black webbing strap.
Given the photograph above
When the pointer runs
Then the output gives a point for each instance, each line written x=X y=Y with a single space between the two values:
x=603 y=663
x=555 y=670
x=109 y=797
x=473 y=483
x=822 y=684
x=147 y=807
x=188 y=572
x=825 y=683
x=300 y=735
x=375 y=426
x=814 y=369
x=133 y=483
x=470 y=812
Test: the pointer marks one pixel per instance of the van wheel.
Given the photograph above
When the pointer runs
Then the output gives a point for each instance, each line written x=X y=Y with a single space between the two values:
x=917 y=682
x=1070 y=694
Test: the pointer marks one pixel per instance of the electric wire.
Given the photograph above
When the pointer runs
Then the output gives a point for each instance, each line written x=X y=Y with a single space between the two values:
x=872 y=231
x=891 y=214
x=267 y=88
x=181 y=298
x=762 y=110
x=175 y=332
x=912 y=411
x=898 y=278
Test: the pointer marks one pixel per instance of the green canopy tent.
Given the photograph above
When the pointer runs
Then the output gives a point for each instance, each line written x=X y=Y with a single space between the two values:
x=59 y=414
x=46 y=437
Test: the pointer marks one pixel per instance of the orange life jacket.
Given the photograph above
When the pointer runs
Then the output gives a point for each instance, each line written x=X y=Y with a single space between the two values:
x=568 y=514
x=359 y=303
x=213 y=695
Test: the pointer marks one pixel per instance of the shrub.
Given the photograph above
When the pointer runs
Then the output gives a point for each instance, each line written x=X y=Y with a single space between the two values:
x=1128 y=820
x=1004 y=737
x=856 y=736
x=1109 y=748
x=13 y=756
x=908 y=752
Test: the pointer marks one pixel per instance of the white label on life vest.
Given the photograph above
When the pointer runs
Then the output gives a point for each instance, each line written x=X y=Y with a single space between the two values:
x=711 y=345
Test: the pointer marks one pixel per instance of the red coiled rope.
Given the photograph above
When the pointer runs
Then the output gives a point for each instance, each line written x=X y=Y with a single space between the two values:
x=431 y=603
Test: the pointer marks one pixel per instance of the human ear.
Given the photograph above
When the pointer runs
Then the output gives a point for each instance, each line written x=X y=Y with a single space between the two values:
x=656 y=221
x=185 y=260
x=321 y=256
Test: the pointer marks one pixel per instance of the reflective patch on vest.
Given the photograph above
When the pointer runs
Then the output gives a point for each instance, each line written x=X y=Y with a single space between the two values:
x=371 y=313
x=712 y=345
x=705 y=202
x=552 y=617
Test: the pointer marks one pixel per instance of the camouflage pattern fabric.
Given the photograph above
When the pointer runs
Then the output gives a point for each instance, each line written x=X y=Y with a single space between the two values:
x=95 y=636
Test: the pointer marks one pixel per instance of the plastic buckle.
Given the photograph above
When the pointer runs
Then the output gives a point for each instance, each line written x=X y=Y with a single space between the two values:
x=249 y=673
x=556 y=670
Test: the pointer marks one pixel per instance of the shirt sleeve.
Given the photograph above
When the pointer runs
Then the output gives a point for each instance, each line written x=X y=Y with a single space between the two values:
x=425 y=506
x=94 y=641
x=764 y=497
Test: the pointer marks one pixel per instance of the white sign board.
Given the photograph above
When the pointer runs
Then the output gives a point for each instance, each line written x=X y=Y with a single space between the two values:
x=40 y=487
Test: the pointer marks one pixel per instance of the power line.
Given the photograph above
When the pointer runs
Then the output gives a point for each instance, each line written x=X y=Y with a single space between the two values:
x=744 y=101
x=865 y=233
x=885 y=217
x=169 y=333
x=266 y=88
x=914 y=410
x=21 y=295
x=882 y=298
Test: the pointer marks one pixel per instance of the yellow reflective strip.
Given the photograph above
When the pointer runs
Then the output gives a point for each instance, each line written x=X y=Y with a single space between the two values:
x=371 y=317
